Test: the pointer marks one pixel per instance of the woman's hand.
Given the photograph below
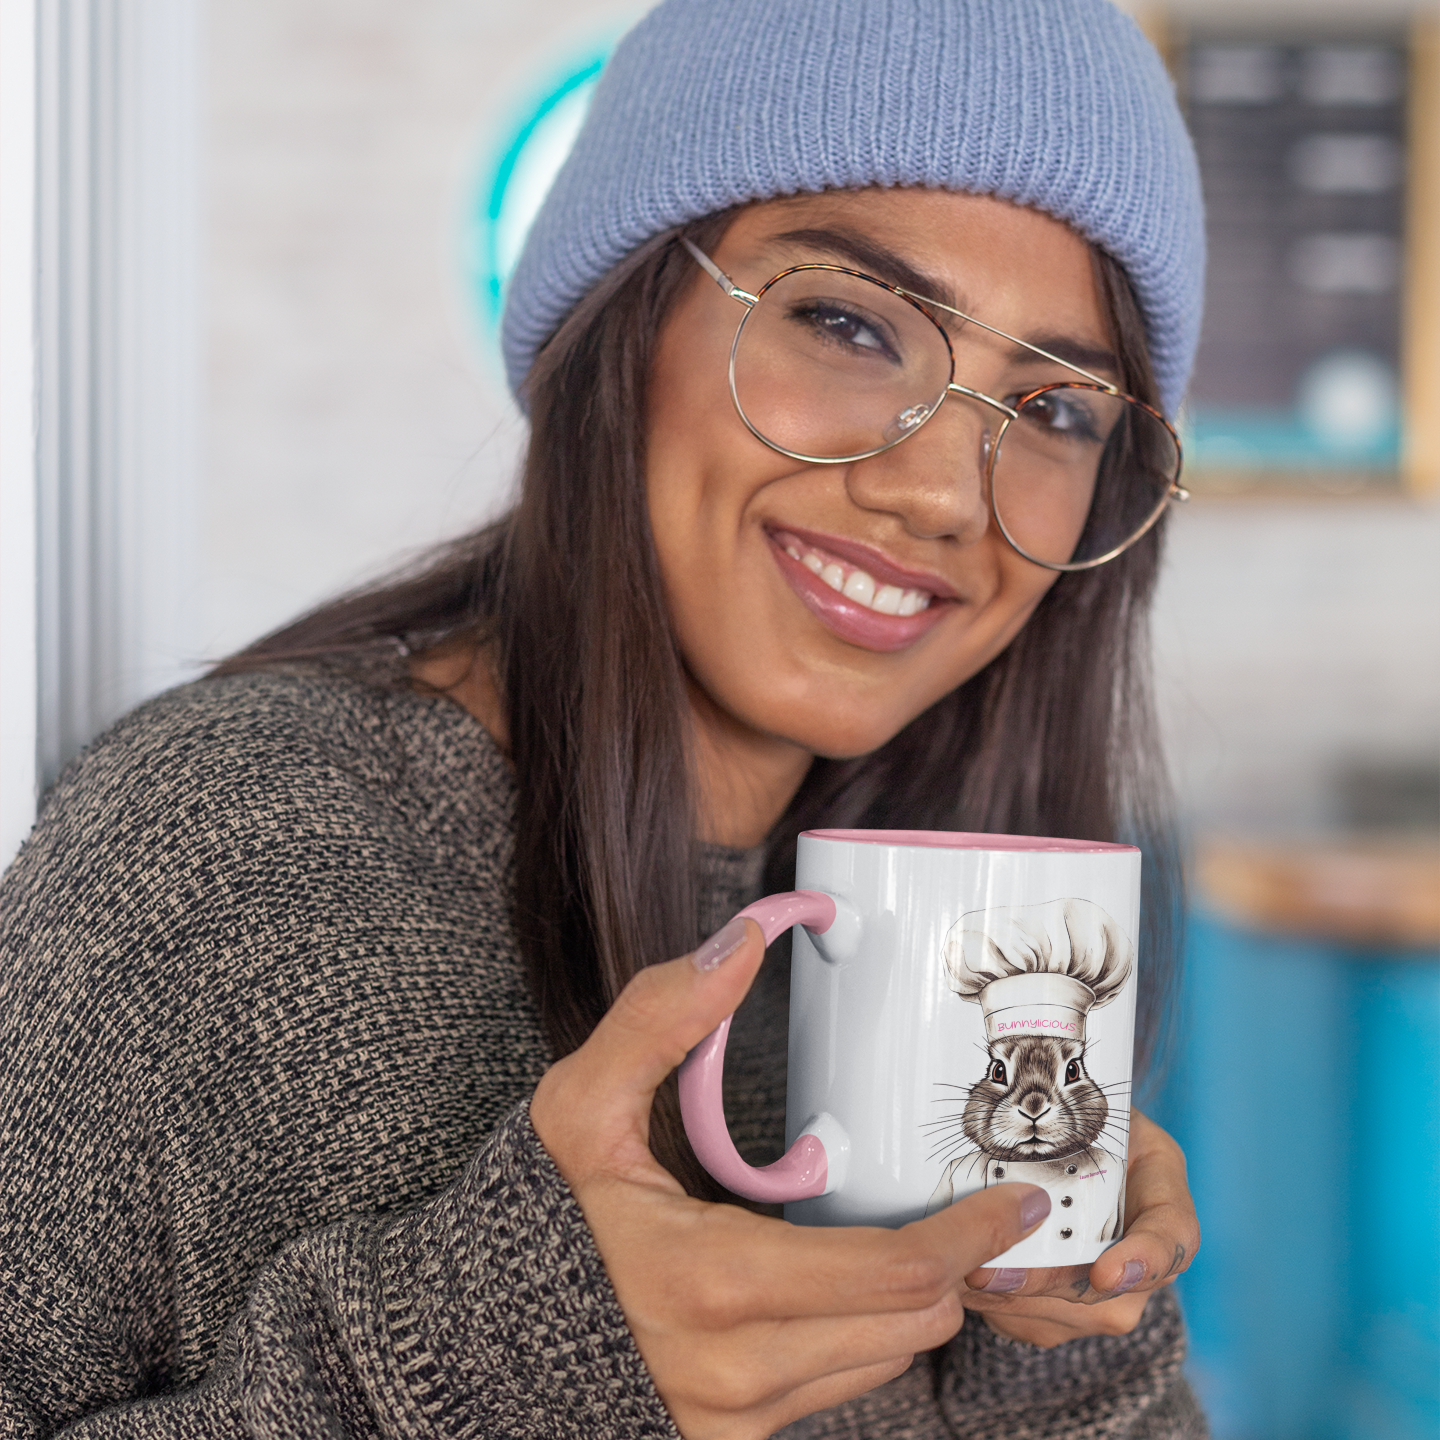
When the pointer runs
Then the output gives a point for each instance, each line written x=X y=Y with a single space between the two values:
x=1044 y=1307
x=745 y=1323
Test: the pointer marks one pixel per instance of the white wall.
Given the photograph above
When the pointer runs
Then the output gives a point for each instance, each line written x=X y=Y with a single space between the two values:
x=18 y=679
x=99 y=391
x=354 y=410
x=1294 y=638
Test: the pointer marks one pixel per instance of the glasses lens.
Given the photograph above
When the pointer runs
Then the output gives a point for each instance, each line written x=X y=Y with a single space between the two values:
x=1080 y=473
x=832 y=367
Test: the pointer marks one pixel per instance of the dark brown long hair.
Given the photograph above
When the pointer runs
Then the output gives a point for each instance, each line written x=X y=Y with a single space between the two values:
x=1055 y=736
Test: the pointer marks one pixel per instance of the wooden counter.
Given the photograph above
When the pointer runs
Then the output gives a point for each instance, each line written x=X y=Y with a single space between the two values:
x=1371 y=894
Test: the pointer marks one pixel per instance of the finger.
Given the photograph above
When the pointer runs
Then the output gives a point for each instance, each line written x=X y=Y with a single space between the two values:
x=1162 y=1232
x=593 y=1106
x=768 y=1269
x=1063 y=1282
x=825 y=1394
x=1161 y=1238
x=1047 y=1322
x=760 y=1364
x=831 y=1345
x=666 y=1010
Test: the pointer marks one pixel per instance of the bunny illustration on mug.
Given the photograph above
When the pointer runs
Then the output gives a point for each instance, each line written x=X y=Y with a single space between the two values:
x=1036 y=1115
x=896 y=974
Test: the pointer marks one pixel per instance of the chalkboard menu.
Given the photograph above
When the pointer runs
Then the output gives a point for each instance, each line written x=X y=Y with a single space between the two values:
x=1302 y=148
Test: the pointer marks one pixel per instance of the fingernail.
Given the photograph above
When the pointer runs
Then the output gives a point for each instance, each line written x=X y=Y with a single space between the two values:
x=720 y=946
x=1034 y=1208
x=1131 y=1276
x=1006 y=1280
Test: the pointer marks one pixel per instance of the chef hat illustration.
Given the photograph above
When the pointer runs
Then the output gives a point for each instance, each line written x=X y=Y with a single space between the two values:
x=1038 y=969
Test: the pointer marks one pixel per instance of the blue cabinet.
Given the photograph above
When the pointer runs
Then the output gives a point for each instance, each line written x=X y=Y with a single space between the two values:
x=1305 y=1087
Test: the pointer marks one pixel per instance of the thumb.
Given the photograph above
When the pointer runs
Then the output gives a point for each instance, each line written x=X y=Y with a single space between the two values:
x=596 y=1101
x=668 y=1009
x=986 y=1223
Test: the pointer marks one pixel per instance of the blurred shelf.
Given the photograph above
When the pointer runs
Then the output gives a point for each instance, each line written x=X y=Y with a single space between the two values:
x=1368 y=893
x=1251 y=487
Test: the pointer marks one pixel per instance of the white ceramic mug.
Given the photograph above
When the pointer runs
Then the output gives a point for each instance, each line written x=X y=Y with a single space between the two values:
x=962 y=1014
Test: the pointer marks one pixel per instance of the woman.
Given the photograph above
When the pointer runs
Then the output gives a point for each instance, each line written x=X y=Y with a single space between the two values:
x=337 y=1095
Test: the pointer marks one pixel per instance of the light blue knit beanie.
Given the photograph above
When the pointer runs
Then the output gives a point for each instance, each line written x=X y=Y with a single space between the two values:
x=1059 y=104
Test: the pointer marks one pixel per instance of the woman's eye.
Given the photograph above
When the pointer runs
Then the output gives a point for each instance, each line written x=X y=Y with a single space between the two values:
x=1063 y=415
x=844 y=327
x=1072 y=1072
x=997 y=1072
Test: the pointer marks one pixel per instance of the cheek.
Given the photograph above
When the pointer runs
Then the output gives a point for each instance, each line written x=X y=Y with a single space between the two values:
x=1046 y=520
x=702 y=470
x=694 y=465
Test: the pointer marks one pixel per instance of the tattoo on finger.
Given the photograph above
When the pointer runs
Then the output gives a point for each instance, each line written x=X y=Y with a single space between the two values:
x=1177 y=1262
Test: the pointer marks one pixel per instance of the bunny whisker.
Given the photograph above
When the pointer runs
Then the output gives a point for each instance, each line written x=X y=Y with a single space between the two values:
x=954 y=1157
x=944 y=1122
x=953 y=1127
x=962 y=1165
x=952 y=1150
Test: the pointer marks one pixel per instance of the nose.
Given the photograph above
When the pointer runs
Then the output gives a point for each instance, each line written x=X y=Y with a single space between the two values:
x=1035 y=1105
x=934 y=480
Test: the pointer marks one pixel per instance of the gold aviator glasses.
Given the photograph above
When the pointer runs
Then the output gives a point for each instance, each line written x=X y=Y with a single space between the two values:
x=830 y=365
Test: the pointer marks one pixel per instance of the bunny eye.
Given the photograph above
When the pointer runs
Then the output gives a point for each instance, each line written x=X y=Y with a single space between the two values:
x=997 y=1072
x=1072 y=1072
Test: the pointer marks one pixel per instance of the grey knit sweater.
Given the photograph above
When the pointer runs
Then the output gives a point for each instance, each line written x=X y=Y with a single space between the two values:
x=265 y=1161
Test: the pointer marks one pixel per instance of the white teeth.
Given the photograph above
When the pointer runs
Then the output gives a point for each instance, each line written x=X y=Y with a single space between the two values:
x=887 y=600
x=860 y=587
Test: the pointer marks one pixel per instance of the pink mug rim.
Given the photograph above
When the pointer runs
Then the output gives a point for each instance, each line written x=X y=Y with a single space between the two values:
x=967 y=840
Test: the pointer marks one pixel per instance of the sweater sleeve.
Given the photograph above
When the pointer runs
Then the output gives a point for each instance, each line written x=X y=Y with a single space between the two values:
x=1127 y=1386
x=485 y=1311
x=266 y=1166
x=984 y=1387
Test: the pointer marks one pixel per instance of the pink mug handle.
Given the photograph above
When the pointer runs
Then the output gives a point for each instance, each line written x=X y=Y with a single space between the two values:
x=804 y=1171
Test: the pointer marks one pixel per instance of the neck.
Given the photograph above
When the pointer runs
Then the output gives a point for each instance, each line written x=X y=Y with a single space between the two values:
x=745 y=778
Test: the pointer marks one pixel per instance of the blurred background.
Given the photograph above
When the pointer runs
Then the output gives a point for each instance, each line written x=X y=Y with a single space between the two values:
x=251 y=254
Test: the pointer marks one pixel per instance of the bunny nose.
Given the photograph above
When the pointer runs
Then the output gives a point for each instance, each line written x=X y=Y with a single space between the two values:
x=1035 y=1104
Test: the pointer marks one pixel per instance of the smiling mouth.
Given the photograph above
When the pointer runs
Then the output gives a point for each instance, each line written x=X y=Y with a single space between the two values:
x=856 y=585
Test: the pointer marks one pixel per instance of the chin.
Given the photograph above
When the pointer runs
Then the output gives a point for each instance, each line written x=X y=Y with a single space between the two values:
x=846 y=741
x=827 y=720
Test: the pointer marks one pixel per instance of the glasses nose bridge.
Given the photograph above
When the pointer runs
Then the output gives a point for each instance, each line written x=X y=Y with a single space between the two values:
x=968 y=434
x=955 y=388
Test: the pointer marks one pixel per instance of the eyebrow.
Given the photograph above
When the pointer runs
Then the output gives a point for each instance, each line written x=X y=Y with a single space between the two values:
x=884 y=264
x=1085 y=357
x=874 y=259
